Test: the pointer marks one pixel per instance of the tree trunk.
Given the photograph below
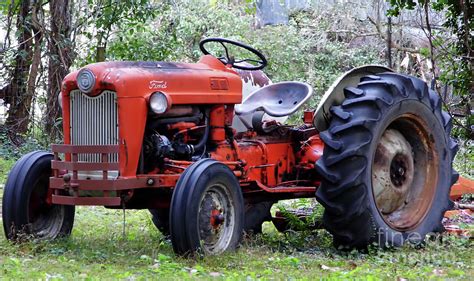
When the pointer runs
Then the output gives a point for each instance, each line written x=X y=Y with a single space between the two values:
x=61 y=56
x=19 y=98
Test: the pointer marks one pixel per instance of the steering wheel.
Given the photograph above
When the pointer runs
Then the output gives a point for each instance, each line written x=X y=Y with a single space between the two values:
x=230 y=60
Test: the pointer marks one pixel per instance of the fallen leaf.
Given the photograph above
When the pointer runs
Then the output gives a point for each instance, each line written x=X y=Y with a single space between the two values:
x=352 y=264
x=155 y=265
x=325 y=267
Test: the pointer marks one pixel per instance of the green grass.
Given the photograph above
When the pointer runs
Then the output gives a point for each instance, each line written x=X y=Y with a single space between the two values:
x=97 y=249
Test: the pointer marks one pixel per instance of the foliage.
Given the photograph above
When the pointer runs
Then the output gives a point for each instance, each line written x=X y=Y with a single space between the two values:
x=455 y=57
x=5 y=166
x=98 y=250
x=304 y=217
x=103 y=17
x=467 y=198
x=171 y=31
x=464 y=162
x=9 y=151
x=309 y=206
x=301 y=50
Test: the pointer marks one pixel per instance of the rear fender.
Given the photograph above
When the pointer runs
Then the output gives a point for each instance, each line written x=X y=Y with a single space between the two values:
x=335 y=94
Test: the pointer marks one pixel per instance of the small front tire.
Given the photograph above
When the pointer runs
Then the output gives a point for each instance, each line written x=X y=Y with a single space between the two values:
x=207 y=210
x=27 y=211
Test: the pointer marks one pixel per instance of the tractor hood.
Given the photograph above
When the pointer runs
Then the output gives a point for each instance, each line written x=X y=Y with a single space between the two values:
x=206 y=82
x=114 y=108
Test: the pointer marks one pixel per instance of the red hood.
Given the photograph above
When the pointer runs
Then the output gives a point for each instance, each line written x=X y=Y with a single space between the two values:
x=205 y=82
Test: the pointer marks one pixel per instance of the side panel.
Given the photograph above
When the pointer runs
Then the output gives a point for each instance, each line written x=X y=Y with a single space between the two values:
x=132 y=120
x=267 y=163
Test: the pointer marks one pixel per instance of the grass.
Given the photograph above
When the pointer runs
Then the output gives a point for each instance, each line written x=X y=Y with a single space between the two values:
x=98 y=250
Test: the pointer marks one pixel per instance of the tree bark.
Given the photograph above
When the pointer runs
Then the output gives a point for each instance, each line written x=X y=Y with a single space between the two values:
x=19 y=98
x=61 y=56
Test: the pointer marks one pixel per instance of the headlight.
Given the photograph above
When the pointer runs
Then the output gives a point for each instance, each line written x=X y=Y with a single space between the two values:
x=60 y=100
x=159 y=102
x=85 y=80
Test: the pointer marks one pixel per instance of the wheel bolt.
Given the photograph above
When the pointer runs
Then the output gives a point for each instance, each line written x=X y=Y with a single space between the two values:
x=218 y=219
x=401 y=171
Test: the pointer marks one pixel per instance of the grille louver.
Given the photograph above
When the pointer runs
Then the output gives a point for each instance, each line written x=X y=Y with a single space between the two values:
x=94 y=121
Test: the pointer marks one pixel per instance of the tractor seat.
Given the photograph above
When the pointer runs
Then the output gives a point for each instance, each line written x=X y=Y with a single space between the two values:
x=279 y=99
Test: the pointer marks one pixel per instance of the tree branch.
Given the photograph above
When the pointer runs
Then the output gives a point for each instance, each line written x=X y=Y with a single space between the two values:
x=394 y=45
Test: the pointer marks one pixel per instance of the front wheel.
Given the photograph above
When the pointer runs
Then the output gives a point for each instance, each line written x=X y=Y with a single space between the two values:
x=27 y=210
x=160 y=218
x=387 y=163
x=207 y=210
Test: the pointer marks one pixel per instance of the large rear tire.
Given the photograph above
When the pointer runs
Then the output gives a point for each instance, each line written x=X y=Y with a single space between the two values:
x=207 y=210
x=255 y=215
x=27 y=211
x=387 y=163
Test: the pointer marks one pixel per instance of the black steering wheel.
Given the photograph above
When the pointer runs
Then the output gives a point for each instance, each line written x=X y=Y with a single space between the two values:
x=244 y=64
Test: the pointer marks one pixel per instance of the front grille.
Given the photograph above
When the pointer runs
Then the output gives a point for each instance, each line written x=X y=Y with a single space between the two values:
x=94 y=121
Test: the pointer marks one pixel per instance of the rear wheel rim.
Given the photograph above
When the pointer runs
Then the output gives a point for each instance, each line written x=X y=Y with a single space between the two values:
x=405 y=173
x=216 y=219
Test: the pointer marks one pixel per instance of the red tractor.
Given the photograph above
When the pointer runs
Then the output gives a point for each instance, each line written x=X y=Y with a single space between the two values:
x=180 y=140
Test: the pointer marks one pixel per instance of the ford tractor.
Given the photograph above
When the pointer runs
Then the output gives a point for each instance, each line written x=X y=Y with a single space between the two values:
x=204 y=147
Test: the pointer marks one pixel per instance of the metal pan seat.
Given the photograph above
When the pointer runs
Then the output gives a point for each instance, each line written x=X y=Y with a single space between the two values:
x=277 y=100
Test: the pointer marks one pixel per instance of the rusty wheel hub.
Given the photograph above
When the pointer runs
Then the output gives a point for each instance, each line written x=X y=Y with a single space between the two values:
x=216 y=219
x=404 y=172
x=392 y=171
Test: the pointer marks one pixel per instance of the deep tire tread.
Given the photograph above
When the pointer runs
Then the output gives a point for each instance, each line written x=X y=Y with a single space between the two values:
x=352 y=92
x=343 y=191
x=330 y=141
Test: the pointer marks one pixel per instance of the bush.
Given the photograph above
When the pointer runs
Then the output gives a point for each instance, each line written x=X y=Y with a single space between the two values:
x=5 y=167
x=301 y=50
